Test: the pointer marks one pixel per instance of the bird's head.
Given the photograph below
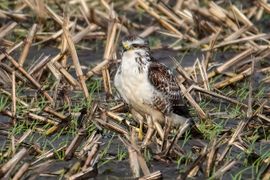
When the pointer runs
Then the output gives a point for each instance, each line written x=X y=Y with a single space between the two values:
x=134 y=42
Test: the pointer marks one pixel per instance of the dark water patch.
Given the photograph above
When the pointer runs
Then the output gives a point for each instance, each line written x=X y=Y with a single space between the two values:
x=4 y=120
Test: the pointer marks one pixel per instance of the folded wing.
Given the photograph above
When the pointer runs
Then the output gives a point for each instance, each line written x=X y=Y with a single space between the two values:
x=163 y=80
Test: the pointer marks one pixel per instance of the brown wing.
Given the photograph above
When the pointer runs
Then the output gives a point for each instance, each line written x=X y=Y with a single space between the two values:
x=163 y=80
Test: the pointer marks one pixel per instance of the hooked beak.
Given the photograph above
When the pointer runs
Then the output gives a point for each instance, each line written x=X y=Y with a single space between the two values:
x=125 y=46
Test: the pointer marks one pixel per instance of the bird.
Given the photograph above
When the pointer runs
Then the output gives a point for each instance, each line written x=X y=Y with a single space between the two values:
x=148 y=87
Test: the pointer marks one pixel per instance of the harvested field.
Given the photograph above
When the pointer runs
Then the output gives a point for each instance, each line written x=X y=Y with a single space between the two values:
x=60 y=114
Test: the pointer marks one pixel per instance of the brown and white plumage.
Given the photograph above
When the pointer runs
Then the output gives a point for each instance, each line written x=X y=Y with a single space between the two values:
x=163 y=80
x=148 y=86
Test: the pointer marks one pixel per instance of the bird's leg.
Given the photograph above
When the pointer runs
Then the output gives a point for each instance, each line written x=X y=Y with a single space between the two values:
x=149 y=133
x=167 y=129
x=140 y=136
x=139 y=118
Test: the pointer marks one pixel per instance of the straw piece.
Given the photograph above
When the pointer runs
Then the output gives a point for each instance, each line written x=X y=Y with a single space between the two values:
x=266 y=173
x=89 y=143
x=13 y=161
x=84 y=174
x=48 y=154
x=178 y=5
x=80 y=35
x=133 y=157
x=173 y=16
x=181 y=130
x=235 y=35
x=14 y=97
x=7 y=113
x=16 y=16
x=155 y=175
x=182 y=71
x=66 y=74
x=237 y=132
x=250 y=98
x=148 y=31
x=21 y=171
x=197 y=88
x=30 y=78
x=209 y=54
x=55 y=113
x=194 y=166
x=17 y=98
x=42 y=119
x=211 y=159
x=28 y=42
x=96 y=69
x=192 y=102
x=85 y=7
x=38 y=66
x=116 y=117
x=221 y=14
x=55 y=17
x=90 y=156
x=109 y=49
x=261 y=36
x=231 y=62
x=264 y=5
x=234 y=79
x=17 y=45
x=8 y=70
x=242 y=17
x=112 y=126
x=38 y=7
x=153 y=13
x=23 y=137
x=74 y=144
x=7 y=30
x=260 y=10
x=224 y=169
x=54 y=35
x=73 y=170
x=141 y=160
x=203 y=74
x=76 y=61
x=120 y=106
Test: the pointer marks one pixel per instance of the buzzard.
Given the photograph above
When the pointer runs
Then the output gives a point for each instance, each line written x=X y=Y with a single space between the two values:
x=148 y=87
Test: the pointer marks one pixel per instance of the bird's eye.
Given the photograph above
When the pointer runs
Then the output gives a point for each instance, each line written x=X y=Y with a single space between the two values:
x=135 y=45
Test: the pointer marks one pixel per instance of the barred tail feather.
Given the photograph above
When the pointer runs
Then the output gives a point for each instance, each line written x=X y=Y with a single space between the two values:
x=178 y=120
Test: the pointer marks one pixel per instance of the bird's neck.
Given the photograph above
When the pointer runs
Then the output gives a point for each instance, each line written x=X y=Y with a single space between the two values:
x=143 y=54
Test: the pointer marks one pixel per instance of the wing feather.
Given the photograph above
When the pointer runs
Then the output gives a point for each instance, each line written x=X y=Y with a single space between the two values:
x=163 y=80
